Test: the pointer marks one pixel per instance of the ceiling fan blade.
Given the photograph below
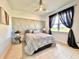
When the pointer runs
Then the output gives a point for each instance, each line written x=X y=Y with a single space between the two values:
x=36 y=10
x=44 y=9
x=40 y=3
x=40 y=10
x=41 y=7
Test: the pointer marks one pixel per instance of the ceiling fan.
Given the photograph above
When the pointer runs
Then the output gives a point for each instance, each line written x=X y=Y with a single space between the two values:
x=41 y=6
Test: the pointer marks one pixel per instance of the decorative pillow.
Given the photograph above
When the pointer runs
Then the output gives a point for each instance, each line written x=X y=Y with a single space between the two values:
x=36 y=31
x=27 y=31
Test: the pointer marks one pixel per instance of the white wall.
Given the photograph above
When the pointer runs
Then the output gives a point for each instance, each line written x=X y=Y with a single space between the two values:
x=76 y=21
x=63 y=36
x=5 y=30
x=60 y=36
x=21 y=14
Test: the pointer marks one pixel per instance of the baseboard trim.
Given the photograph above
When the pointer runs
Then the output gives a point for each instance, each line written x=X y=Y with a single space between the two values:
x=61 y=42
x=3 y=55
x=78 y=44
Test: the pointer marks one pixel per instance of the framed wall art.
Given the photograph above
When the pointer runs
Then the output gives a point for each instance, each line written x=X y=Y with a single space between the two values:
x=4 y=17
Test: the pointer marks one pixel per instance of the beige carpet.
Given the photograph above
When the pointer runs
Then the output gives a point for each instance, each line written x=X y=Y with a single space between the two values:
x=61 y=51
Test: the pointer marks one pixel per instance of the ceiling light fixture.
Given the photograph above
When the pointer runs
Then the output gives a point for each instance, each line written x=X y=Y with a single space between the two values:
x=41 y=6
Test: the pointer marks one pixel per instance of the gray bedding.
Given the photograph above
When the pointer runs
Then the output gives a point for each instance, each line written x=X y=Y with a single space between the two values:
x=36 y=41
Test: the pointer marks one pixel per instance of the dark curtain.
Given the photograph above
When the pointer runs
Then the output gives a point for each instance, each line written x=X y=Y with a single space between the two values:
x=51 y=22
x=66 y=17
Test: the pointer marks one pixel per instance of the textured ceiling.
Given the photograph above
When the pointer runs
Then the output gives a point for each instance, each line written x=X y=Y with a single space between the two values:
x=28 y=6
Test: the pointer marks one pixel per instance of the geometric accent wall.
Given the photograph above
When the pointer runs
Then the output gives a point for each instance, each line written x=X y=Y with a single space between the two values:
x=24 y=24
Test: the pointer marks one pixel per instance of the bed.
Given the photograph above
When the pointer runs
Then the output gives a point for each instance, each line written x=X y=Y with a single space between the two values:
x=36 y=41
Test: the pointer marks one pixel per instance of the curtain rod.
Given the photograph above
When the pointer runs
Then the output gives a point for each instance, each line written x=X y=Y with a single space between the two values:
x=65 y=8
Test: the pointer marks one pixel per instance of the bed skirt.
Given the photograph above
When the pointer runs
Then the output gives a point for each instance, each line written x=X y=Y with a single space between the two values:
x=44 y=47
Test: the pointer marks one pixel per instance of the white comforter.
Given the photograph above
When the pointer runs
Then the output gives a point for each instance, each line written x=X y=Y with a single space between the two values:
x=35 y=41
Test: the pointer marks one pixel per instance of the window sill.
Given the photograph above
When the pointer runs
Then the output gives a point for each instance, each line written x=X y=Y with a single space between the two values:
x=59 y=32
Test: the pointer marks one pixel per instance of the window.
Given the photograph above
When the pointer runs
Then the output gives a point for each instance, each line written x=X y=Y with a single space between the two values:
x=58 y=26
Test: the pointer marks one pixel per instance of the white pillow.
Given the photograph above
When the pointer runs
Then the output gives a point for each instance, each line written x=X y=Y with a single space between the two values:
x=37 y=31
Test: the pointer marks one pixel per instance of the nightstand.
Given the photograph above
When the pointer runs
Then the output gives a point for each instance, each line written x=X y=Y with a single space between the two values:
x=16 y=39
